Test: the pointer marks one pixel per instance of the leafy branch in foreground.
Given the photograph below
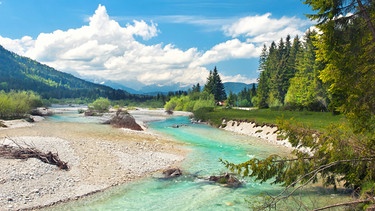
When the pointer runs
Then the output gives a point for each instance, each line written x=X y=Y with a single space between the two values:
x=338 y=157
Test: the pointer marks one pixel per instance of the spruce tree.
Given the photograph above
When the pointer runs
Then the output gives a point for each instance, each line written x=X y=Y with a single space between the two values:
x=263 y=89
x=215 y=86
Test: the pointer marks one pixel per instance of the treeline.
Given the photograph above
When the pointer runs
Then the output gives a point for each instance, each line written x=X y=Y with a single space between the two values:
x=245 y=98
x=289 y=75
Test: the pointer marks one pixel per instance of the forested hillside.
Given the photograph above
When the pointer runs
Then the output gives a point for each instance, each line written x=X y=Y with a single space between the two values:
x=21 y=73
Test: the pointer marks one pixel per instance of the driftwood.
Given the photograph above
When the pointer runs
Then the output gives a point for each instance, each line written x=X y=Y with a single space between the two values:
x=19 y=152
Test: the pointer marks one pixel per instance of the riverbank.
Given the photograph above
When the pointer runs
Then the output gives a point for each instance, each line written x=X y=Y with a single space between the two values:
x=269 y=133
x=265 y=132
x=98 y=156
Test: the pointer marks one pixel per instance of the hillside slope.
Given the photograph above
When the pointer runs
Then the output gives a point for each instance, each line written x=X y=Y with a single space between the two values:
x=21 y=73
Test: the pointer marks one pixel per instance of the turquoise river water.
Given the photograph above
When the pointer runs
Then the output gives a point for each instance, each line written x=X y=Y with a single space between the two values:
x=191 y=192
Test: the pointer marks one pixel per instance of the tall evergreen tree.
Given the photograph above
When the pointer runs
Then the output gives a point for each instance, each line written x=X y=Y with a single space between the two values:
x=215 y=86
x=263 y=81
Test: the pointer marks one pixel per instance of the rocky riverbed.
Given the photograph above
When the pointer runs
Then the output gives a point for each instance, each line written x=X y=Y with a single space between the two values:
x=98 y=156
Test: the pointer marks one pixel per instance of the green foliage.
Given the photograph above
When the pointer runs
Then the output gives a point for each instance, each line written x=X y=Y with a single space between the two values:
x=100 y=105
x=289 y=76
x=191 y=102
x=201 y=113
x=243 y=99
x=16 y=104
x=306 y=90
x=231 y=100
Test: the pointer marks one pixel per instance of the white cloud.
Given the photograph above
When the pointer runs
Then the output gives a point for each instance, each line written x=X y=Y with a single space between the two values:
x=231 y=49
x=263 y=28
x=105 y=49
x=238 y=78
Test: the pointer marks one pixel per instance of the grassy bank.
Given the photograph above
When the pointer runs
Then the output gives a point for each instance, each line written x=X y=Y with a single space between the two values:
x=315 y=120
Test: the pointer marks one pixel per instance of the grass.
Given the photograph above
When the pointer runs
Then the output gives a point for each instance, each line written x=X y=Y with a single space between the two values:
x=315 y=120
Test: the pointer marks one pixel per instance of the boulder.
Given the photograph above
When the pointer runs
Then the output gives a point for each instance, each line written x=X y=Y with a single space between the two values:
x=41 y=111
x=226 y=179
x=123 y=119
x=173 y=172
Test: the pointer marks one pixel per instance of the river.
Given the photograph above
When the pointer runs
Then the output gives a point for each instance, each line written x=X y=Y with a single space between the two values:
x=192 y=191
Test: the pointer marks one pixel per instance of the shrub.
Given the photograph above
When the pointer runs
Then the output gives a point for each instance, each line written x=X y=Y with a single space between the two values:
x=100 y=105
x=16 y=104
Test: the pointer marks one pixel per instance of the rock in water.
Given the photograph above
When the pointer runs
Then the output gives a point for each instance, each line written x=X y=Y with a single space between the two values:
x=173 y=172
x=226 y=179
x=123 y=119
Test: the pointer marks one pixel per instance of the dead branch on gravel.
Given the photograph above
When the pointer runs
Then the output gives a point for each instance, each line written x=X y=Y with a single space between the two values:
x=20 y=152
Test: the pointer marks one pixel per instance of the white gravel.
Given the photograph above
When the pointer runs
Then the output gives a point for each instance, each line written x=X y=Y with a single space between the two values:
x=99 y=157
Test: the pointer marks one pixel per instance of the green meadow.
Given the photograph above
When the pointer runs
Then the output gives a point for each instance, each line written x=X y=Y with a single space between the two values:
x=314 y=120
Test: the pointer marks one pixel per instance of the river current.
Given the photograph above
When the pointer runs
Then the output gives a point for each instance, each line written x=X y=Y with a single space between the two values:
x=192 y=191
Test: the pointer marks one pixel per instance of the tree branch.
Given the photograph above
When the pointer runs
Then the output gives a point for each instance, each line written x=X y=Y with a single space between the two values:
x=366 y=16
x=344 y=204
x=311 y=175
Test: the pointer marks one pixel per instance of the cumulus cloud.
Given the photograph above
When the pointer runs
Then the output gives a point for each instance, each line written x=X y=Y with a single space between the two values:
x=238 y=78
x=231 y=49
x=105 y=49
x=263 y=28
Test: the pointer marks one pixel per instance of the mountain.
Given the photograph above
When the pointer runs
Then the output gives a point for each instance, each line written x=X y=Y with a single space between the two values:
x=112 y=84
x=155 y=89
x=21 y=73
x=236 y=87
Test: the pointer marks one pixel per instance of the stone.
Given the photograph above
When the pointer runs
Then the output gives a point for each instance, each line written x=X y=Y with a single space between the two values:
x=226 y=179
x=123 y=119
x=173 y=172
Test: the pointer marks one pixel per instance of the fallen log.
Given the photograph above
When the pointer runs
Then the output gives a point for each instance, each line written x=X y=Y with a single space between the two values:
x=19 y=152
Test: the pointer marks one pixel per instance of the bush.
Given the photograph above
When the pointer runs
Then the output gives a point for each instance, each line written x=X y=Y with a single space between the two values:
x=16 y=104
x=201 y=113
x=100 y=105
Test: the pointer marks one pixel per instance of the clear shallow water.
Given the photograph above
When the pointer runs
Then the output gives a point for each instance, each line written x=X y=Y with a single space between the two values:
x=192 y=191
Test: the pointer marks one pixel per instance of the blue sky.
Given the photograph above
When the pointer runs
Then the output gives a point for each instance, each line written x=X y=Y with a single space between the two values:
x=145 y=42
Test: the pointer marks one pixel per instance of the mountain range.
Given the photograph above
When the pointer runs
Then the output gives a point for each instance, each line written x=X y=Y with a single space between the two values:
x=21 y=73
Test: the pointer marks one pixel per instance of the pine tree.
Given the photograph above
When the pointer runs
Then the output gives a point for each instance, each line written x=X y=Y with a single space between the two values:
x=196 y=88
x=215 y=86
x=263 y=81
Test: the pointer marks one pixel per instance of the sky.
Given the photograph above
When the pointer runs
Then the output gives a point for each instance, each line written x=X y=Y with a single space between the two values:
x=150 y=42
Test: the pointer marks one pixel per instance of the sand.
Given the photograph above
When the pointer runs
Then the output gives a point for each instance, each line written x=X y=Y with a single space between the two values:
x=99 y=157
